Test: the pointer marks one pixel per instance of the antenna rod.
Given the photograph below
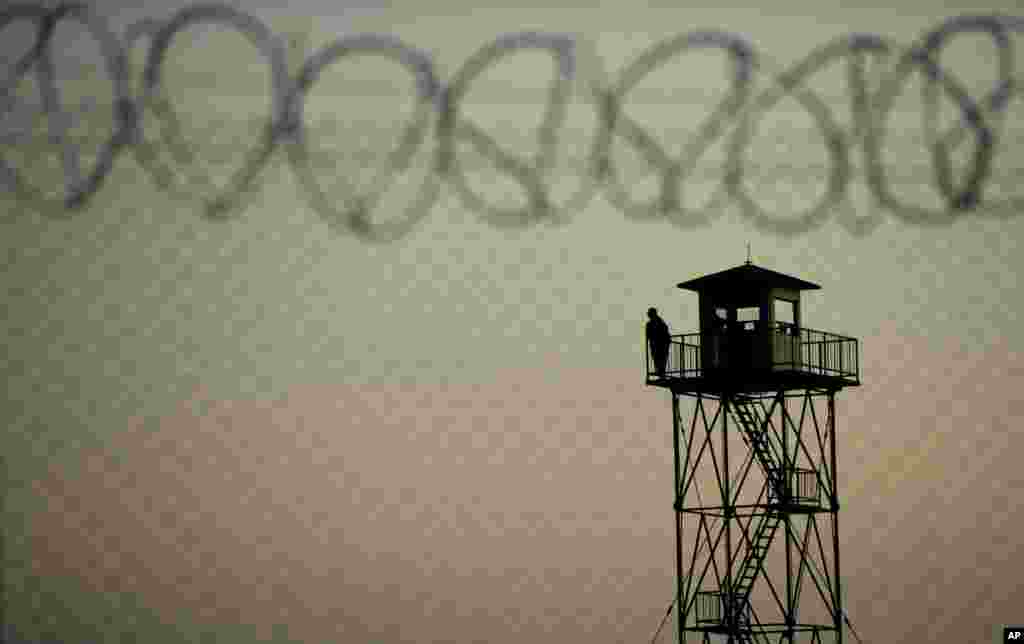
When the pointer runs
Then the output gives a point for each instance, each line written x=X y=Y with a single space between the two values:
x=748 y=252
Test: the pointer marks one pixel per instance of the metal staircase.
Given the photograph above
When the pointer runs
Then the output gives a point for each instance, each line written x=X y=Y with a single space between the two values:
x=755 y=434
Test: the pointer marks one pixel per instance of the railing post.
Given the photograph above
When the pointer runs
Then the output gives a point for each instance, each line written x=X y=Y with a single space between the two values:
x=647 y=358
x=679 y=358
x=795 y=349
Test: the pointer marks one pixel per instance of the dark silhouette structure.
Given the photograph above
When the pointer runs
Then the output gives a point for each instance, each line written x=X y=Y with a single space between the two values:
x=756 y=489
x=658 y=340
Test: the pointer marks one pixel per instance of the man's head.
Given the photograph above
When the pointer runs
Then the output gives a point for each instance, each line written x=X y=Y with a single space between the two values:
x=652 y=312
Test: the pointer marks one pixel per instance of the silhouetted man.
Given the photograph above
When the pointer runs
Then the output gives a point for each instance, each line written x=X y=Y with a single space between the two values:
x=658 y=338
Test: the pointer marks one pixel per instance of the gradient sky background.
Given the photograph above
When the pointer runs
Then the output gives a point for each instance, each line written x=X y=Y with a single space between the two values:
x=263 y=430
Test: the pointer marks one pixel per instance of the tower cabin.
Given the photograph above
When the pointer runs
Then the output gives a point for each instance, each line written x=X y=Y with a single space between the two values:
x=752 y=339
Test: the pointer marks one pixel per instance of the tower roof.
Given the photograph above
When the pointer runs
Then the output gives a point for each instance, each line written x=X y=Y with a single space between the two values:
x=745 y=277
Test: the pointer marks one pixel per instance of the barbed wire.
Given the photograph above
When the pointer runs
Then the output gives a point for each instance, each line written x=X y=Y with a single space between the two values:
x=146 y=122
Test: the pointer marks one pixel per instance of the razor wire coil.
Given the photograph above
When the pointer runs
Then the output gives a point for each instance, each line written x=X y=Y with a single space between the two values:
x=439 y=117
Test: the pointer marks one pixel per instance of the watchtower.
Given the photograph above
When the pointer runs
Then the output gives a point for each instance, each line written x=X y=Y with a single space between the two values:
x=756 y=489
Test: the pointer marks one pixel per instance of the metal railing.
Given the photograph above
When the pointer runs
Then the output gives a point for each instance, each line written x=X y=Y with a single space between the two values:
x=786 y=348
x=807 y=488
x=683 y=357
x=711 y=608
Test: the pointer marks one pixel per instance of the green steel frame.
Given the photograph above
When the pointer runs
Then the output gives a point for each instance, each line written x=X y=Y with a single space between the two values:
x=757 y=561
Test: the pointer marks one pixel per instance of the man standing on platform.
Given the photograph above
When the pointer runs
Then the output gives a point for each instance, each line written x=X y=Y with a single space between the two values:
x=659 y=339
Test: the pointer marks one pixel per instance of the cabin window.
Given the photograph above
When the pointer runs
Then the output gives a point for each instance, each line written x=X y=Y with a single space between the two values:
x=748 y=317
x=785 y=313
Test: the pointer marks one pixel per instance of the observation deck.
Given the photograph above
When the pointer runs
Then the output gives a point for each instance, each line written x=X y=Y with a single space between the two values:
x=756 y=358
x=751 y=339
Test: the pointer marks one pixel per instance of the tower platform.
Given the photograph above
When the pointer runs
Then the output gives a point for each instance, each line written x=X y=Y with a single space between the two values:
x=783 y=359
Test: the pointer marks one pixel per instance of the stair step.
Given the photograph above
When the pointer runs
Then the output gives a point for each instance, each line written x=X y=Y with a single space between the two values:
x=755 y=556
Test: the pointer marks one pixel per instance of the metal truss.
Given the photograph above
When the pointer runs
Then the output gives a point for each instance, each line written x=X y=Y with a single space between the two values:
x=757 y=533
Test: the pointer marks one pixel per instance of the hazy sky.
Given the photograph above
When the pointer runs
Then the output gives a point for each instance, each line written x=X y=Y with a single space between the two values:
x=265 y=429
